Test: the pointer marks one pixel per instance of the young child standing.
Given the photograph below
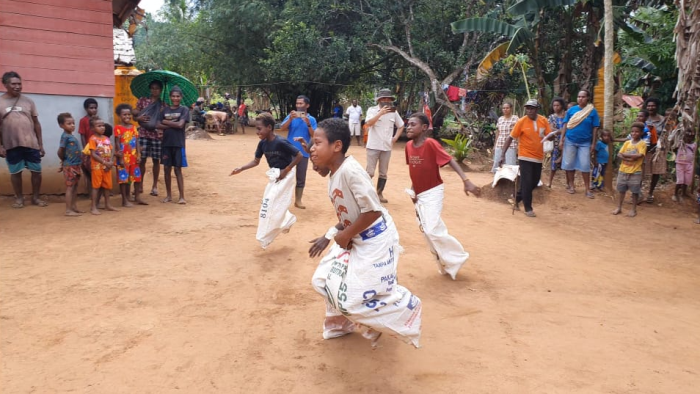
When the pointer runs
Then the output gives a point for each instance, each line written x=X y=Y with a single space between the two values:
x=601 y=160
x=358 y=275
x=172 y=121
x=101 y=164
x=85 y=131
x=282 y=157
x=424 y=157
x=685 y=158
x=126 y=139
x=71 y=160
x=629 y=176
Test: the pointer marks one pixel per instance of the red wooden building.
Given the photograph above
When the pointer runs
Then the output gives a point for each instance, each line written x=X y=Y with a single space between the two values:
x=63 y=51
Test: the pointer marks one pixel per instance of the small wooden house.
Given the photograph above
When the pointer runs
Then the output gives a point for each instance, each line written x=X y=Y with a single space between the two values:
x=63 y=50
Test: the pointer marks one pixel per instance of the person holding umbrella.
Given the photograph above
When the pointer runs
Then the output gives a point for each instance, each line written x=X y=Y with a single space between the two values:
x=157 y=86
x=150 y=139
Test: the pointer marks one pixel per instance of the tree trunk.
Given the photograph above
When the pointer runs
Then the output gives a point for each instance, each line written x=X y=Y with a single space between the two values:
x=687 y=92
x=541 y=84
x=609 y=94
x=594 y=54
x=563 y=79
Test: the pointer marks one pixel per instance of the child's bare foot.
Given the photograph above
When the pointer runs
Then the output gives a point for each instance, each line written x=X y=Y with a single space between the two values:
x=76 y=210
x=111 y=208
x=72 y=213
x=167 y=199
x=95 y=211
x=154 y=192
x=697 y=221
x=139 y=201
x=127 y=204
x=181 y=201
x=617 y=211
x=632 y=213
x=39 y=203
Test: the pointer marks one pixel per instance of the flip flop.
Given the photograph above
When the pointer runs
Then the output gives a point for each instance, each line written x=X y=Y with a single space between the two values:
x=40 y=203
x=589 y=195
x=18 y=205
x=650 y=199
x=570 y=190
x=154 y=193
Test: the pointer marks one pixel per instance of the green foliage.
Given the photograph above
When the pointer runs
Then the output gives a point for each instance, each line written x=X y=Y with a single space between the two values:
x=460 y=147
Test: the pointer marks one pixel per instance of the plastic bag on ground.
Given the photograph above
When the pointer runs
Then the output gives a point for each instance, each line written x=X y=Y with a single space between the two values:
x=448 y=251
x=274 y=216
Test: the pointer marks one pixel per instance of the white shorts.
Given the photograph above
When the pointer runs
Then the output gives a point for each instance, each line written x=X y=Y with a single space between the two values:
x=355 y=129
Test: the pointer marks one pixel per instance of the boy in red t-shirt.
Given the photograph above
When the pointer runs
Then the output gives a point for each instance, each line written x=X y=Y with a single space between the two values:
x=85 y=132
x=424 y=157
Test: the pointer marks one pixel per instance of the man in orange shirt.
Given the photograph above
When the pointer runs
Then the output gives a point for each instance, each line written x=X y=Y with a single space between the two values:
x=530 y=131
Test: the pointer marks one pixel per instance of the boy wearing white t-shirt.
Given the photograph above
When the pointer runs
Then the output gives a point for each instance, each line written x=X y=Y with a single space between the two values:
x=358 y=275
x=354 y=113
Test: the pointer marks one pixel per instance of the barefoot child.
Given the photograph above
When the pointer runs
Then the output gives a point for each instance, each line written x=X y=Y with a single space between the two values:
x=172 y=121
x=358 y=275
x=282 y=157
x=424 y=157
x=71 y=160
x=629 y=176
x=601 y=160
x=85 y=131
x=126 y=139
x=100 y=163
x=685 y=158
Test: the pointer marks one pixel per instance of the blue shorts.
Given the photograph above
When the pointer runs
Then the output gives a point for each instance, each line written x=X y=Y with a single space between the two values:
x=22 y=157
x=576 y=157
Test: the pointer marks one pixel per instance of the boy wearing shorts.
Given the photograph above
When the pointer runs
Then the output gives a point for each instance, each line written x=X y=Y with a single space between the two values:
x=71 y=160
x=630 y=174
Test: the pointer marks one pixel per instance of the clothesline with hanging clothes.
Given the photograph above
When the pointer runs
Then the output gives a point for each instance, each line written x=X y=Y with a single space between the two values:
x=455 y=93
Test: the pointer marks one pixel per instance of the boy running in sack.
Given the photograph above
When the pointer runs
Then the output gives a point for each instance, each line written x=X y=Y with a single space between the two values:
x=101 y=164
x=126 y=139
x=629 y=176
x=282 y=157
x=172 y=121
x=424 y=157
x=71 y=160
x=358 y=275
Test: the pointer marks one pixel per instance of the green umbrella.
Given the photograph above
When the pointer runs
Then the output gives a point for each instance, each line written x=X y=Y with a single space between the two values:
x=140 y=86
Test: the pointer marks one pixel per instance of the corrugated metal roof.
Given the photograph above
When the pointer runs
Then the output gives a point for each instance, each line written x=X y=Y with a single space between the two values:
x=123 y=47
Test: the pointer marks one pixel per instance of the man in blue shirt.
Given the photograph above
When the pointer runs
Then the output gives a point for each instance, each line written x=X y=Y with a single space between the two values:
x=579 y=140
x=300 y=125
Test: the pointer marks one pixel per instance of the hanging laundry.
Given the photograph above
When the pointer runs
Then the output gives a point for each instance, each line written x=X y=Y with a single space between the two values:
x=453 y=93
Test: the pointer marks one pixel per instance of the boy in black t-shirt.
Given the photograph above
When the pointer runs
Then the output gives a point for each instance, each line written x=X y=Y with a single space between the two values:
x=282 y=157
x=172 y=120
x=278 y=152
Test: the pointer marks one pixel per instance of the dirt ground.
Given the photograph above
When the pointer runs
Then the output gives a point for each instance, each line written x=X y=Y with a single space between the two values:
x=181 y=299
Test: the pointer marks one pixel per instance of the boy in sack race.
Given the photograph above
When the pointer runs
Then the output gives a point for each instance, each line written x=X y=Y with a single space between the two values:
x=282 y=157
x=358 y=275
x=424 y=157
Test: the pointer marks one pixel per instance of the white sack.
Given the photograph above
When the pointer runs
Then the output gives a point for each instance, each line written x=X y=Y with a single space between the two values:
x=449 y=253
x=506 y=171
x=361 y=284
x=274 y=216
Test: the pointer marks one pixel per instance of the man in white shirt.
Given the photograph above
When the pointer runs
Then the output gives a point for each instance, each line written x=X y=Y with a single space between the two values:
x=381 y=120
x=354 y=113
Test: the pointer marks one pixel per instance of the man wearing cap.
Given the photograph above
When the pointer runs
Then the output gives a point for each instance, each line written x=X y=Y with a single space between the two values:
x=530 y=131
x=578 y=141
x=381 y=120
